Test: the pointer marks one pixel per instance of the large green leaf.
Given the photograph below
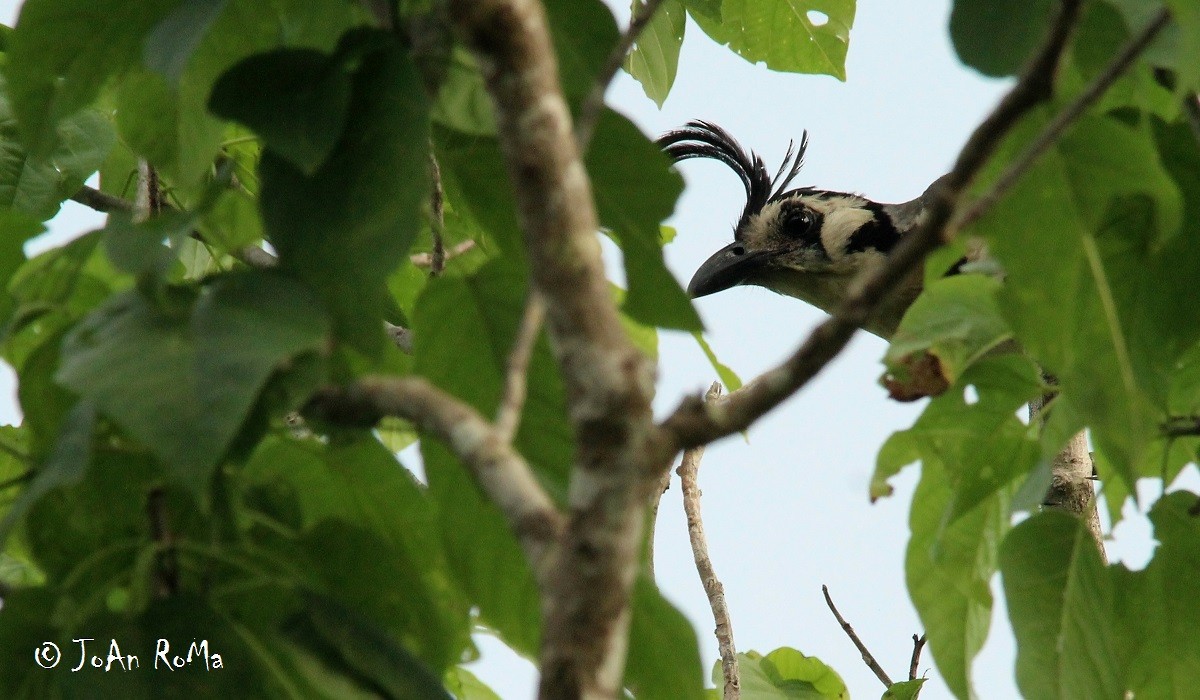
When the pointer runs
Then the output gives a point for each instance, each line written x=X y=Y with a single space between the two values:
x=1088 y=239
x=635 y=189
x=38 y=185
x=996 y=36
x=463 y=330
x=1060 y=600
x=785 y=674
x=664 y=658
x=956 y=320
x=63 y=51
x=164 y=107
x=978 y=443
x=183 y=382
x=584 y=33
x=654 y=59
x=357 y=488
x=347 y=226
x=800 y=36
x=949 y=567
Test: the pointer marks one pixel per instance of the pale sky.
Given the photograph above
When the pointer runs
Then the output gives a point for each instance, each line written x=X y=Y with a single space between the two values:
x=787 y=511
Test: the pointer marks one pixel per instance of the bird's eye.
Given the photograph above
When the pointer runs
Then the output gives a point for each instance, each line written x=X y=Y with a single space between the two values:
x=800 y=224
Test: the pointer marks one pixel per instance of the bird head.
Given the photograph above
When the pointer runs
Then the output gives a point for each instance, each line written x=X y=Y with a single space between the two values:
x=804 y=242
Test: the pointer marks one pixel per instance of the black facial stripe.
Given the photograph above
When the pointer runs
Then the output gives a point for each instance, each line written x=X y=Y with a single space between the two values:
x=879 y=233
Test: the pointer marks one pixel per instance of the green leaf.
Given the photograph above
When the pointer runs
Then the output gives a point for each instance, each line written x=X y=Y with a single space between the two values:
x=956 y=319
x=1087 y=239
x=295 y=99
x=168 y=121
x=584 y=33
x=798 y=36
x=466 y=686
x=654 y=59
x=462 y=101
x=170 y=44
x=370 y=651
x=356 y=491
x=463 y=329
x=38 y=185
x=63 y=51
x=664 y=657
x=980 y=444
x=66 y=464
x=949 y=567
x=786 y=674
x=183 y=386
x=635 y=190
x=1167 y=662
x=1060 y=598
x=996 y=36
x=904 y=690
x=346 y=227
x=727 y=376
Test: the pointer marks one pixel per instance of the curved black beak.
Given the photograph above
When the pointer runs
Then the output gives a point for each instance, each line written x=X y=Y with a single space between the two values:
x=728 y=267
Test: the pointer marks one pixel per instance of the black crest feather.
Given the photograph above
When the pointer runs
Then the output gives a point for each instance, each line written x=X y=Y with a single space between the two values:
x=700 y=139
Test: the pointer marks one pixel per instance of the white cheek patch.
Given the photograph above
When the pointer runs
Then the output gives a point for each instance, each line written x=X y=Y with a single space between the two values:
x=839 y=225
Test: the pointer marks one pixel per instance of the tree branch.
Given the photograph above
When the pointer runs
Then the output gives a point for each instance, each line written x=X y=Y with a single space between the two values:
x=501 y=473
x=609 y=383
x=437 y=216
x=918 y=644
x=590 y=108
x=693 y=423
x=101 y=201
x=1181 y=426
x=867 y=657
x=688 y=471
x=1191 y=110
x=508 y=417
x=1051 y=133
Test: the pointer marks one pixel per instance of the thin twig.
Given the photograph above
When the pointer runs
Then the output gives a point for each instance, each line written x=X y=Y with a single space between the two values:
x=1181 y=426
x=426 y=259
x=589 y=109
x=652 y=519
x=918 y=644
x=501 y=473
x=688 y=472
x=867 y=657
x=508 y=416
x=437 y=216
x=1051 y=133
x=693 y=423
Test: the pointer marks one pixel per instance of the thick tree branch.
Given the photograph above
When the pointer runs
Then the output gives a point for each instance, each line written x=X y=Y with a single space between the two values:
x=501 y=473
x=1051 y=133
x=508 y=418
x=609 y=383
x=589 y=110
x=694 y=423
x=1071 y=488
x=688 y=473
x=867 y=657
